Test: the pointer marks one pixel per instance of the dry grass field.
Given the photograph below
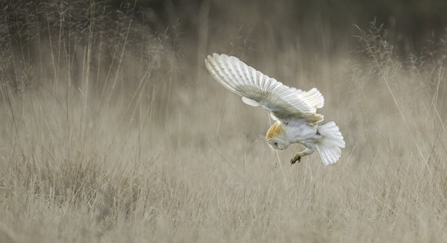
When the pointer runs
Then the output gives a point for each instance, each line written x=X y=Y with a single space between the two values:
x=122 y=141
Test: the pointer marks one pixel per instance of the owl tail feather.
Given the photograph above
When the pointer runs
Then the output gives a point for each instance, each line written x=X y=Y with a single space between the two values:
x=329 y=146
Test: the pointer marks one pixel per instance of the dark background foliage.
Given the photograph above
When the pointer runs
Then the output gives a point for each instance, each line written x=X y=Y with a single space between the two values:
x=322 y=27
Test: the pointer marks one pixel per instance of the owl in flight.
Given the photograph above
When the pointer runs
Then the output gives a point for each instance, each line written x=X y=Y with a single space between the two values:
x=293 y=109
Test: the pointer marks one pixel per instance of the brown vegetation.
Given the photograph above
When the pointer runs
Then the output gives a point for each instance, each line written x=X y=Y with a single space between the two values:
x=108 y=134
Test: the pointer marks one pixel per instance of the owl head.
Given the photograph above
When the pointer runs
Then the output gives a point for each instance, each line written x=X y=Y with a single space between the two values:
x=277 y=143
x=276 y=137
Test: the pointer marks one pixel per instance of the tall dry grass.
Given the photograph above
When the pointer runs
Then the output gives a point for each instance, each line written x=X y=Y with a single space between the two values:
x=109 y=138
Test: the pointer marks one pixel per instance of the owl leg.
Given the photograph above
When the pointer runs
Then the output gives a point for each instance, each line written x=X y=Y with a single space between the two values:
x=310 y=148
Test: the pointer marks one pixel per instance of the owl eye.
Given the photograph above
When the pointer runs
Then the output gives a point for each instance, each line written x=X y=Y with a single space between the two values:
x=276 y=144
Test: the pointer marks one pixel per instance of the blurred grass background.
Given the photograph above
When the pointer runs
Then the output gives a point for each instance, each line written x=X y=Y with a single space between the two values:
x=112 y=130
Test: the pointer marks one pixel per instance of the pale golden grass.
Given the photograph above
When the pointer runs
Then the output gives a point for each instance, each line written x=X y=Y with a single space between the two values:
x=148 y=157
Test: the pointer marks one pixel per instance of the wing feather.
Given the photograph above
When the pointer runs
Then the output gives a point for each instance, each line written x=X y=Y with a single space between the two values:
x=282 y=101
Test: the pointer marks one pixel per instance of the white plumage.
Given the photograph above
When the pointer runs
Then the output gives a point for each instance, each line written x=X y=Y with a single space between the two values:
x=293 y=109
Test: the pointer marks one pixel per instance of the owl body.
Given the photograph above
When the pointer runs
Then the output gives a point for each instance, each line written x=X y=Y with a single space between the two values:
x=296 y=131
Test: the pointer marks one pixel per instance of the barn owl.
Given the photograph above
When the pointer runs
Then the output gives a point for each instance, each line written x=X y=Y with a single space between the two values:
x=293 y=110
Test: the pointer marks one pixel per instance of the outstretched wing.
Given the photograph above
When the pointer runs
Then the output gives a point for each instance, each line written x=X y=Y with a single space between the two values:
x=258 y=89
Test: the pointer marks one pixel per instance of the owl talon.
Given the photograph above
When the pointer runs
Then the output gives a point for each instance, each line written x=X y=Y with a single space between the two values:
x=295 y=159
